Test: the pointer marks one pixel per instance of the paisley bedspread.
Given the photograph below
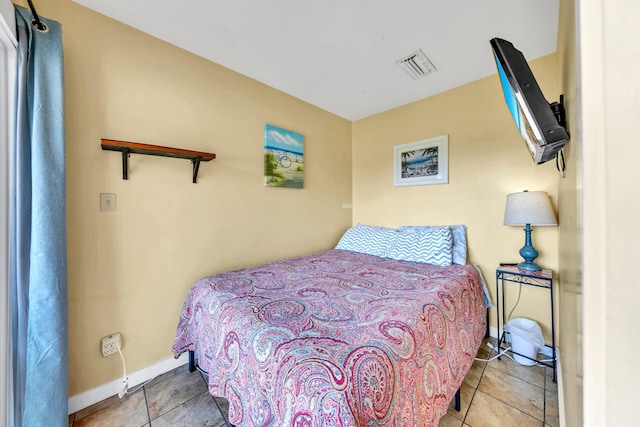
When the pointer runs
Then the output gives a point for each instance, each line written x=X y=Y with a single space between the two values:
x=336 y=338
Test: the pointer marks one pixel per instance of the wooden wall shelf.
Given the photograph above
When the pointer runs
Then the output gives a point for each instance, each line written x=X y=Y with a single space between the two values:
x=126 y=148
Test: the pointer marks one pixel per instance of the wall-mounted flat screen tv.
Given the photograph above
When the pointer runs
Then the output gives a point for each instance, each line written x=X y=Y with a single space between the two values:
x=541 y=124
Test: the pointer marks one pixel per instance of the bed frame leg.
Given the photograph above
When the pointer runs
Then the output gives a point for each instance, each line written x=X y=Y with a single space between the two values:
x=457 y=404
x=192 y=362
x=486 y=333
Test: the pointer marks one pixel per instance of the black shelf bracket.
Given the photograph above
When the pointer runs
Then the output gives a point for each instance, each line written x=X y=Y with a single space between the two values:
x=125 y=163
x=196 y=166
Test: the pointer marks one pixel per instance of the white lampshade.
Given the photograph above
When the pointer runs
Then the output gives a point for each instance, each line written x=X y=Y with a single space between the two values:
x=529 y=207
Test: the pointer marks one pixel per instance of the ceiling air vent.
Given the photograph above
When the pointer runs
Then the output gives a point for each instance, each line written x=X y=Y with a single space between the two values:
x=416 y=65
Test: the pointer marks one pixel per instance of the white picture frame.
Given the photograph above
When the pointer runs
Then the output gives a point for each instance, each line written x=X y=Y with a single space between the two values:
x=424 y=162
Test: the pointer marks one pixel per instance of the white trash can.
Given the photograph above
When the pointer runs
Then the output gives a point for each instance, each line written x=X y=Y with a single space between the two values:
x=526 y=339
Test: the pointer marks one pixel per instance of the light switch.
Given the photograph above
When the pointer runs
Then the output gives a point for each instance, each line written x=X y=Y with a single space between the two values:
x=107 y=202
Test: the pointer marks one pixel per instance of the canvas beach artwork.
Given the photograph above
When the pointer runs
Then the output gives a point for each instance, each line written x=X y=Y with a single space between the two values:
x=422 y=162
x=283 y=158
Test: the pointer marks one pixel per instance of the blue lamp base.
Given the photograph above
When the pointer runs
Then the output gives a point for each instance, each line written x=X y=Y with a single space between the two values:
x=529 y=266
x=528 y=252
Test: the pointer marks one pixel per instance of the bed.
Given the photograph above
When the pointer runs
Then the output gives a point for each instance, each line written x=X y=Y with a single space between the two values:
x=342 y=337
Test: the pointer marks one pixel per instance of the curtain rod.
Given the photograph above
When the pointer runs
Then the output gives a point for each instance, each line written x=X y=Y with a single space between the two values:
x=36 y=23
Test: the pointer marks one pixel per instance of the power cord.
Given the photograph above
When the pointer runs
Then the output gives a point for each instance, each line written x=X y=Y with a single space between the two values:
x=501 y=353
x=516 y=304
x=560 y=163
x=125 y=381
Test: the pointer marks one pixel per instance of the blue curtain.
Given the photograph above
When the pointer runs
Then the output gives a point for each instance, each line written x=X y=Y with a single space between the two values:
x=38 y=230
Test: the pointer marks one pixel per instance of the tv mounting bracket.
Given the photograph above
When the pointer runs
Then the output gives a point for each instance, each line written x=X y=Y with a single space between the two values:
x=558 y=112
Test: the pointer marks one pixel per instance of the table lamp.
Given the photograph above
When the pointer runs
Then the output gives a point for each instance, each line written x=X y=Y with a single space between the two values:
x=529 y=208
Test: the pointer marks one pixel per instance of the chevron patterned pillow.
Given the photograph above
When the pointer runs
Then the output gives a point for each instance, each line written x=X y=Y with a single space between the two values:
x=368 y=239
x=432 y=247
x=459 y=233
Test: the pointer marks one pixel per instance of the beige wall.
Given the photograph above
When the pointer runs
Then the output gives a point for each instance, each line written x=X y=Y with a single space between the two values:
x=487 y=160
x=130 y=271
x=570 y=227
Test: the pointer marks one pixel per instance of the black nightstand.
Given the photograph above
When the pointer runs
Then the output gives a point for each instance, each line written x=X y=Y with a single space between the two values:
x=541 y=279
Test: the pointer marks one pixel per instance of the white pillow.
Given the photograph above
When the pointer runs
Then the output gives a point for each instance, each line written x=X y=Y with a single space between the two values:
x=431 y=247
x=459 y=233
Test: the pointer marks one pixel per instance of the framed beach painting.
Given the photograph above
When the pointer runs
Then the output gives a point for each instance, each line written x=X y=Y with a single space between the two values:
x=283 y=158
x=422 y=162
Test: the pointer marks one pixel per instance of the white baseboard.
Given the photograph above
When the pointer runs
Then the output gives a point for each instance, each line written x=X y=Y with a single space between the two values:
x=95 y=395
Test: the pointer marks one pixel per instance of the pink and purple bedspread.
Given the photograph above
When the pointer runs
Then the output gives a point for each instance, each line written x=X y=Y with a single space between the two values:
x=336 y=338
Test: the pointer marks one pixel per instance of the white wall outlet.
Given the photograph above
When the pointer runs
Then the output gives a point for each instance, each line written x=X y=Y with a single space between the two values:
x=111 y=344
x=107 y=202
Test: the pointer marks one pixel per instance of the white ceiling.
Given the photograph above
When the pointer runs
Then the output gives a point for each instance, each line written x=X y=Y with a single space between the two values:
x=340 y=55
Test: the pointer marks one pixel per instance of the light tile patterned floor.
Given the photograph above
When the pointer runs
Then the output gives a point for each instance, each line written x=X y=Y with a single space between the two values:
x=500 y=393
